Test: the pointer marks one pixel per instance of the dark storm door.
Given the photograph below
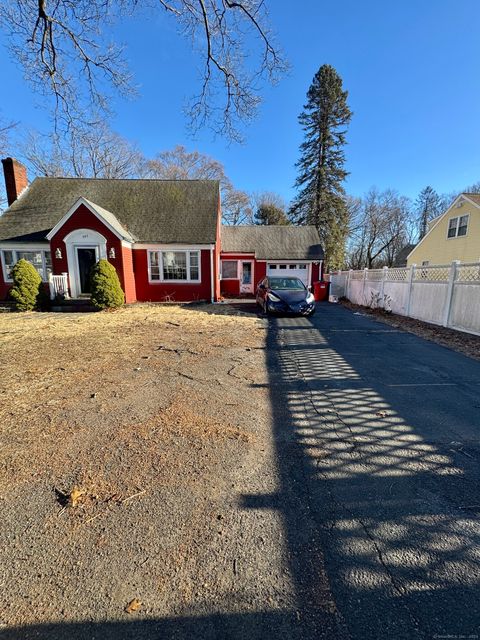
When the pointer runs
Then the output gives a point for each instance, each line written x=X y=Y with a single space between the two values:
x=86 y=259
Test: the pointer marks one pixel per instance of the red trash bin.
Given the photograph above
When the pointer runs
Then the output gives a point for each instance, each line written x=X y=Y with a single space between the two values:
x=320 y=290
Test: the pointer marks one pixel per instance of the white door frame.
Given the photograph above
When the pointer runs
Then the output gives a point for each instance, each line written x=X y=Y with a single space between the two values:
x=78 y=284
x=82 y=239
x=246 y=288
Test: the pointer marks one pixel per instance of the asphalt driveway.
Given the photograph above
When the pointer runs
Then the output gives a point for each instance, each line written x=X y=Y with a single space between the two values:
x=377 y=436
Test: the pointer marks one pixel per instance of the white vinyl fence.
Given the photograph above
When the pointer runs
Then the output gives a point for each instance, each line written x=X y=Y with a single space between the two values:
x=447 y=295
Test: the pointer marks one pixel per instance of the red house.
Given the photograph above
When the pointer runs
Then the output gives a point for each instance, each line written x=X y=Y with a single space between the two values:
x=164 y=238
x=249 y=253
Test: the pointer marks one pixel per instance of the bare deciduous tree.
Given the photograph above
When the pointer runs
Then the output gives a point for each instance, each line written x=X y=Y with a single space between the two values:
x=381 y=225
x=180 y=164
x=63 y=49
x=85 y=153
x=270 y=208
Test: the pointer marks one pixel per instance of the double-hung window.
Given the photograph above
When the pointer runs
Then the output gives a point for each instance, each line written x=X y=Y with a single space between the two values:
x=174 y=266
x=457 y=227
x=41 y=260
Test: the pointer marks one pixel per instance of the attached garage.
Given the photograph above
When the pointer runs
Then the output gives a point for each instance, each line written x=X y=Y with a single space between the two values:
x=249 y=253
x=292 y=269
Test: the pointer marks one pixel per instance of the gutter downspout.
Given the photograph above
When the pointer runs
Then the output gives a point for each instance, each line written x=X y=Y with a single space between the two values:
x=212 y=281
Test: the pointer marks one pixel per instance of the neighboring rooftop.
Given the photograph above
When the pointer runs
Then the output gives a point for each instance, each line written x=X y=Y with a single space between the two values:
x=475 y=197
x=402 y=255
x=167 y=211
x=272 y=242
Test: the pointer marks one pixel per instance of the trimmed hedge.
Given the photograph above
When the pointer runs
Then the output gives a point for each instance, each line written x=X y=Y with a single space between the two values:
x=27 y=291
x=105 y=286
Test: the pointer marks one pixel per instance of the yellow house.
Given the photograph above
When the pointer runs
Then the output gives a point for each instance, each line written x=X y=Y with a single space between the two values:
x=454 y=235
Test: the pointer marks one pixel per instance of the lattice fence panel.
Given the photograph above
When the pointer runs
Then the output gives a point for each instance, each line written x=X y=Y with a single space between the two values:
x=439 y=273
x=468 y=273
x=398 y=274
x=357 y=275
x=374 y=275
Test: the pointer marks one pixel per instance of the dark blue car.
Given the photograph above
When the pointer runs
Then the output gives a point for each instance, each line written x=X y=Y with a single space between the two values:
x=285 y=296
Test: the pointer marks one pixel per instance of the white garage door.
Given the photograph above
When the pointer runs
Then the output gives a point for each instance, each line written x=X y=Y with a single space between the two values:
x=290 y=269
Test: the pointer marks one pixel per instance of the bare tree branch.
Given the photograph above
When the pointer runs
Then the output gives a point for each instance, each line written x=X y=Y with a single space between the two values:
x=63 y=48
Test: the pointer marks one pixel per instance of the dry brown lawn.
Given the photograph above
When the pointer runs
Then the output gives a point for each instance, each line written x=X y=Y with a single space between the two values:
x=125 y=437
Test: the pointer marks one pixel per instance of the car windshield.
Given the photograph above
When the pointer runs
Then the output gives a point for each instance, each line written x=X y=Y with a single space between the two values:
x=294 y=284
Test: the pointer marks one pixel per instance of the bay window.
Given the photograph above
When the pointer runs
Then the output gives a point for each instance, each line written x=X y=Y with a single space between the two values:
x=39 y=258
x=174 y=266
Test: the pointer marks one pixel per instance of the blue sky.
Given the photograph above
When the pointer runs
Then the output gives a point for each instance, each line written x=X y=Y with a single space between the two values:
x=412 y=69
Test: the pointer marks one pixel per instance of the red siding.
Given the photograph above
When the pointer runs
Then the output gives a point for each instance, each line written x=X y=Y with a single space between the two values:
x=129 y=275
x=172 y=291
x=231 y=287
x=4 y=288
x=83 y=218
x=217 y=251
x=260 y=271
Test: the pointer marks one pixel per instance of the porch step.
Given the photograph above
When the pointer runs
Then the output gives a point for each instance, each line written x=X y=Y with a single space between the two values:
x=74 y=306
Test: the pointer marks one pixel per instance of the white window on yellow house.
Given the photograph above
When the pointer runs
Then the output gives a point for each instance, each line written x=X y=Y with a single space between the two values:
x=457 y=226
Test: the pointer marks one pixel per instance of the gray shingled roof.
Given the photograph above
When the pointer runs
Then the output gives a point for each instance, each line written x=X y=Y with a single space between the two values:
x=402 y=255
x=166 y=211
x=271 y=242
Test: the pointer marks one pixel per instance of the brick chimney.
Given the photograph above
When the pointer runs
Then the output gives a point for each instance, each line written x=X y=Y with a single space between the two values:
x=15 y=178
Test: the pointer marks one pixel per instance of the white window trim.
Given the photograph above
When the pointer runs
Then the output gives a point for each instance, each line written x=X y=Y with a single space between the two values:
x=29 y=249
x=237 y=277
x=457 y=226
x=168 y=280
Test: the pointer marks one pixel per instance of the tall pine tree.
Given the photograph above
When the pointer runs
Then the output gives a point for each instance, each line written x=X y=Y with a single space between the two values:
x=321 y=199
x=428 y=205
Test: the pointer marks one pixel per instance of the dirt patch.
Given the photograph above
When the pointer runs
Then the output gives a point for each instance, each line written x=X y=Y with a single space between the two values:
x=156 y=421
x=463 y=342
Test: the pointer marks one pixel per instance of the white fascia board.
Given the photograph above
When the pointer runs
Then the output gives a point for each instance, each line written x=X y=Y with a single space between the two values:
x=91 y=207
x=475 y=204
x=172 y=247
x=289 y=261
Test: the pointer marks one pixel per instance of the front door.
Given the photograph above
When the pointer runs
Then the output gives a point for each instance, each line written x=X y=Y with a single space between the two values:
x=86 y=259
x=246 y=277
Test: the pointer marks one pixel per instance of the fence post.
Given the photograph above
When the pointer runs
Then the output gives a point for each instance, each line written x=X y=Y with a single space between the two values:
x=382 y=289
x=65 y=282
x=365 y=276
x=451 y=285
x=349 y=279
x=409 y=292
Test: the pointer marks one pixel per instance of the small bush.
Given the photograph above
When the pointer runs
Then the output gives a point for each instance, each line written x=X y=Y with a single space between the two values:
x=105 y=286
x=27 y=291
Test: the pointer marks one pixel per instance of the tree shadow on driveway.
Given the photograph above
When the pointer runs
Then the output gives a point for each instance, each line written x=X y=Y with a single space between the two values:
x=377 y=443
